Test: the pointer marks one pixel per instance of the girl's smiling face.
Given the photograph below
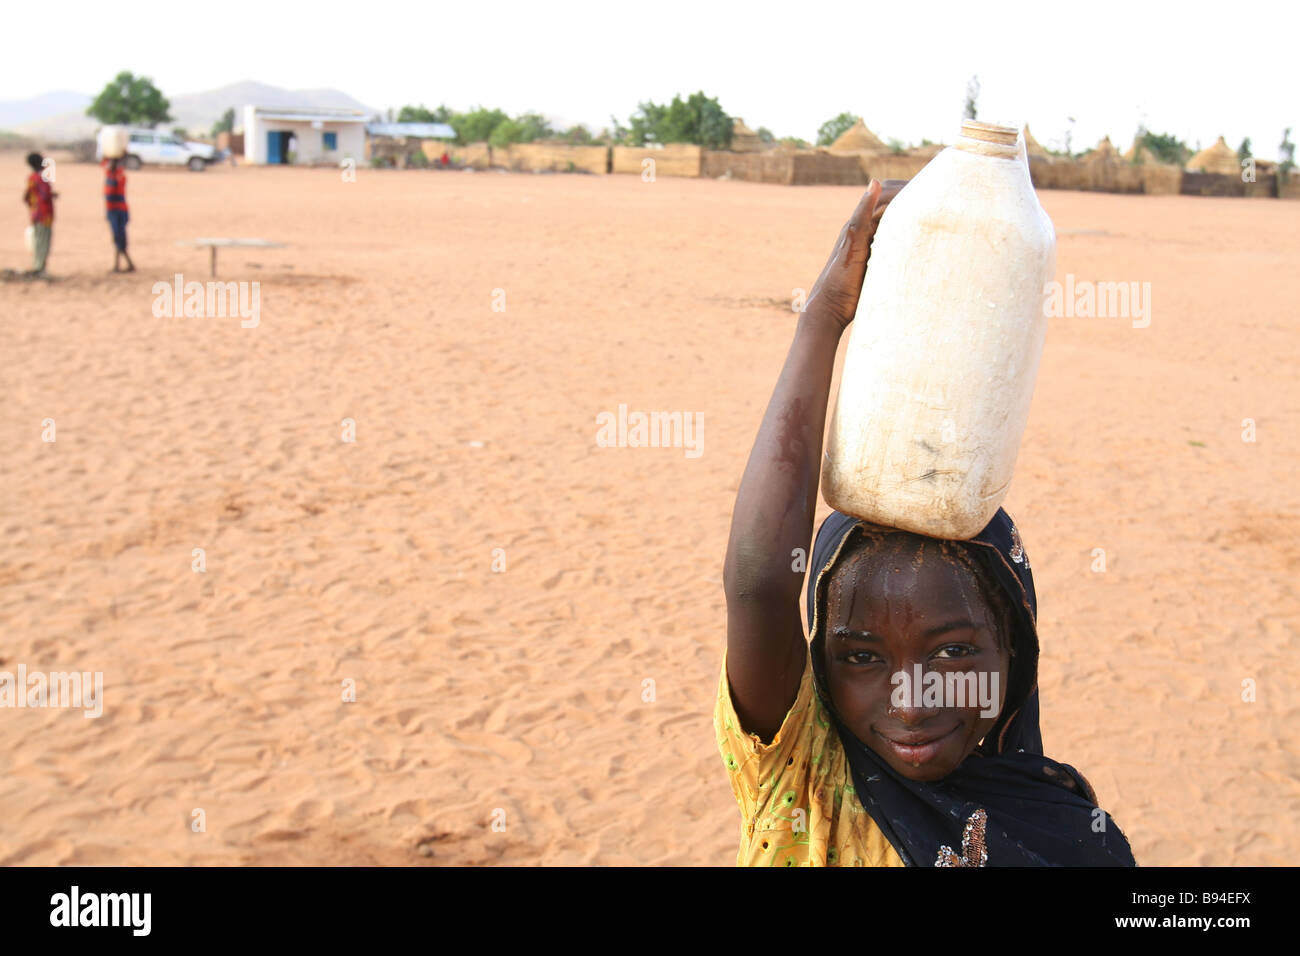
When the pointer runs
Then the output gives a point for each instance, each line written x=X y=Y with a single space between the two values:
x=904 y=603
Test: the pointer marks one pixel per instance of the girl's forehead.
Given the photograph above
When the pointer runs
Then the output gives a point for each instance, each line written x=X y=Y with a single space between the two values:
x=916 y=573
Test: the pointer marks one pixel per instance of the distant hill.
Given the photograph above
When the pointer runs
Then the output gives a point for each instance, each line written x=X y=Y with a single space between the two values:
x=15 y=113
x=197 y=112
x=61 y=117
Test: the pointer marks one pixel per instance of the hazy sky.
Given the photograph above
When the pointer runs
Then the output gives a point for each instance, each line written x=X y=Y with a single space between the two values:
x=1192 y=69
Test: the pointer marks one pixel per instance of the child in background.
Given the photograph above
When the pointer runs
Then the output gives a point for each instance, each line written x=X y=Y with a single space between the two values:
x=39 y=198
x=115 y=200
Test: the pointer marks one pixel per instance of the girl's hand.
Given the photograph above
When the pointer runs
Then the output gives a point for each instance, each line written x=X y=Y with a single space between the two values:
x=834 y=297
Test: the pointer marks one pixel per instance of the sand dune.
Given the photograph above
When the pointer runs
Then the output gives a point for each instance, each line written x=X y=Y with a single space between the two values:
x=517 y=695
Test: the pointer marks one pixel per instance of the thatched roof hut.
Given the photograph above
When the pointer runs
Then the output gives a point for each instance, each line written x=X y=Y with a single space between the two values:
x=1219 y=158
x=856 y=138
x=744 y=139
x=1140 y=154
x=1034 y=148
x=1103 y=152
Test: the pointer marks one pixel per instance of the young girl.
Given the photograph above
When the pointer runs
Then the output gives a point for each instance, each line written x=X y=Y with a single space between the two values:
x=118 y=213
x=832 y=759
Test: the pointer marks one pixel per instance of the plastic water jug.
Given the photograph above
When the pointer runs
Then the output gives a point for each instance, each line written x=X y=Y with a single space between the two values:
x=112 y=142
x=943 y=352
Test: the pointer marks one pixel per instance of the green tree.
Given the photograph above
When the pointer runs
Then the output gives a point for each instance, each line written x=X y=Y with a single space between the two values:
x=617 y=132
x=1243 y=151
x=419 y=114
x=534 y=127
x=1286 y=153
x=180 y=132
x=1167 y=147
x=577 y=136
x=765 y=135
x=505 y=133
x=130 y=101
x=832 y=129
x=225 y=124
x=972 y=98
x=477 y=125
x=698 y=119
x=796 y=142
x=1138 y=138
x=524 y=128
x=644 y=125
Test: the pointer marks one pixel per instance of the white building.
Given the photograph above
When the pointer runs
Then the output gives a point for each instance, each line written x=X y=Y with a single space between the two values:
x=274 y=135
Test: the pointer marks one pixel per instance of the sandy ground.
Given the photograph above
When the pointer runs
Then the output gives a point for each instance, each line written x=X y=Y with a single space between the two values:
x=516 y=696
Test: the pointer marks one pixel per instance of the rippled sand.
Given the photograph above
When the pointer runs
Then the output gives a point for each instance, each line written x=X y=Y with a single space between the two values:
x=517 y=695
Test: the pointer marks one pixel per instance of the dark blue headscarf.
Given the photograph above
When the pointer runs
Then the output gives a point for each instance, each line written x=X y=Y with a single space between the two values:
x=1006 y=804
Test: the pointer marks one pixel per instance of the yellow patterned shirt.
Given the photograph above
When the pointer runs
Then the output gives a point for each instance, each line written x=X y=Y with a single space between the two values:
x=796 y=797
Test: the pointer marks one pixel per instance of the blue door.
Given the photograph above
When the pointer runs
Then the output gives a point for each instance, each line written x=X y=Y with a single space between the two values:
x=273 y=148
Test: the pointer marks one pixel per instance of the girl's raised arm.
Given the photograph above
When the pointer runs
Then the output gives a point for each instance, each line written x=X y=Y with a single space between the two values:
x=774 y=509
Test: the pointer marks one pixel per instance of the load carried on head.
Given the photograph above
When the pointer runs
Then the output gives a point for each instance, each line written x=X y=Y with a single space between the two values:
x=113 y=141
x=944 y=351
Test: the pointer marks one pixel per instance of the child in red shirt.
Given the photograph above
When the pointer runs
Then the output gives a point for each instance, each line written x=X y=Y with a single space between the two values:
x=115 y=200
x=39 y=198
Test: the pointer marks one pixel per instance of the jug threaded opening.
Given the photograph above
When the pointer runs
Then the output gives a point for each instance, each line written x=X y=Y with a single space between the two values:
x=1002 y=135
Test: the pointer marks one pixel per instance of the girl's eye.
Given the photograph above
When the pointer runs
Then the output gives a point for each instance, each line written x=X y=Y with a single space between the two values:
x=860 y=657
x=954 y=651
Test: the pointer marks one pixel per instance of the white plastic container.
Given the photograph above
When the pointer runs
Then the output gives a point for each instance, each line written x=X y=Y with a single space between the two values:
x=943 y=353
x=112 y=142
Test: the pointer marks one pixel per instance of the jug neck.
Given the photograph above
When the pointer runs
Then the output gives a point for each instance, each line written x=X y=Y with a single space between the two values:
x=988 y=140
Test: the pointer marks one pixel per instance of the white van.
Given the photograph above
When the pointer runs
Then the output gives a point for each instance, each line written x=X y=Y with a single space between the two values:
x=155 y=148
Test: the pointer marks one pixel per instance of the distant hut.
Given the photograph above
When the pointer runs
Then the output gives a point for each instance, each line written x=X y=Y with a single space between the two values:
x=1140 y=154
x=857 y=138
x=1104 y=152
x=411 y=144
x=1034 y=148
x=1219 y=158
x=744 y=139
